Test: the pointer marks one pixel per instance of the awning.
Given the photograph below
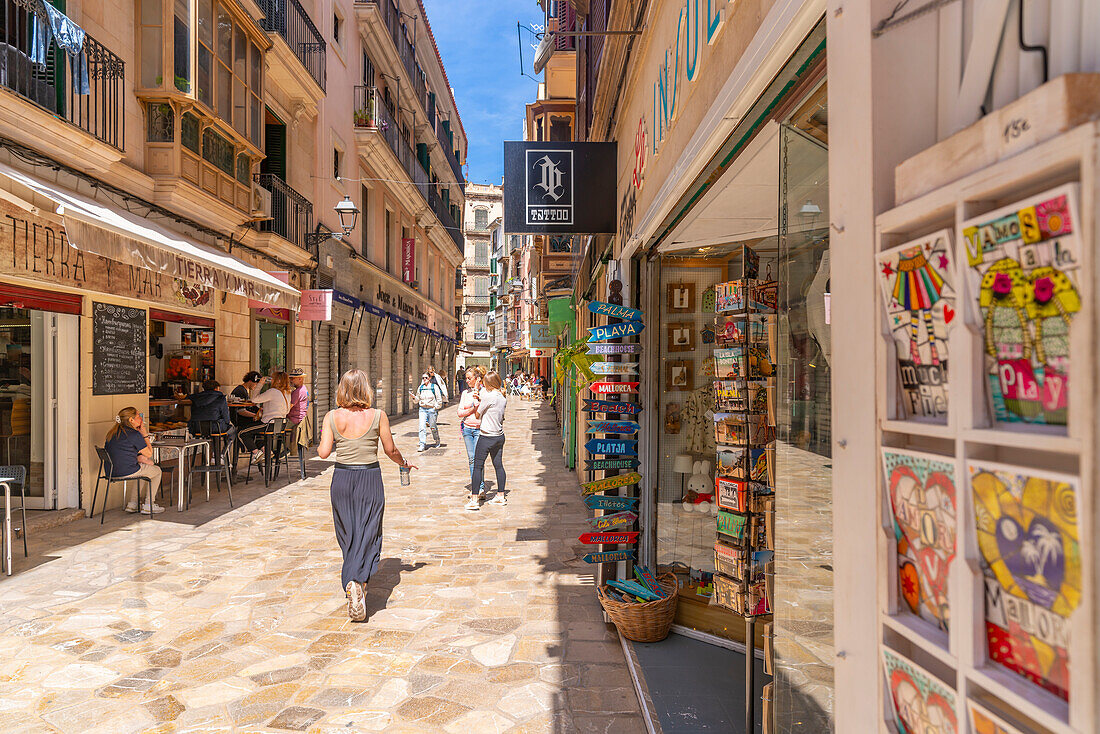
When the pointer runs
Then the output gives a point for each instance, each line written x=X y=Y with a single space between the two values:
x=105 y=229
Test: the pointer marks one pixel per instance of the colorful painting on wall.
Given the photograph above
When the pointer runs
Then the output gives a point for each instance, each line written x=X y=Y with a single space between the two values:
x=1028 y=546
x=1024 y=268
x=922 y=704
x=916 y=282
x=984 y=721
x=921 y=490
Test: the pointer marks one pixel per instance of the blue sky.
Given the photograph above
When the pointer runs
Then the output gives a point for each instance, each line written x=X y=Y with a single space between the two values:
x=477 y=41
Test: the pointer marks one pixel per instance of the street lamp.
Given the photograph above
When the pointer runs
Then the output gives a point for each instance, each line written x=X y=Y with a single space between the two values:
x=348 y=215
x=466 y=316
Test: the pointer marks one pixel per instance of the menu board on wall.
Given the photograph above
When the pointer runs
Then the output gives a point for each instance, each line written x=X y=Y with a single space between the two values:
x=120 y=344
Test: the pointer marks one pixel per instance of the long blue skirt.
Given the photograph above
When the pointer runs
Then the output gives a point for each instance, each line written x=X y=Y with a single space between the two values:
x=358 y=503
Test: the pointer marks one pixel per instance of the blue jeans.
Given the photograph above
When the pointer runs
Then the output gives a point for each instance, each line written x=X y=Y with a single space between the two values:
x=469 y=437
x=427 y=420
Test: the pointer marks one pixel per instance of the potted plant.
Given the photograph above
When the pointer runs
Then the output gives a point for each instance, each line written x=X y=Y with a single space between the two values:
x=363 y=118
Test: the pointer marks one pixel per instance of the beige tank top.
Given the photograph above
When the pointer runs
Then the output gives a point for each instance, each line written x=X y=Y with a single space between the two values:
x=362 y=450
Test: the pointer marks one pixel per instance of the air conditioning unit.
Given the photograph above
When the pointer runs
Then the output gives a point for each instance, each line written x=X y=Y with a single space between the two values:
x=261 y=203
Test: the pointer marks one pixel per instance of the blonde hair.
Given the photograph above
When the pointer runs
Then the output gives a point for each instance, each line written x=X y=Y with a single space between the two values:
x=492 y=381
x=481 y=371
x=124 y=420
x=354 y=390
x=472 y=371
x=281 y=382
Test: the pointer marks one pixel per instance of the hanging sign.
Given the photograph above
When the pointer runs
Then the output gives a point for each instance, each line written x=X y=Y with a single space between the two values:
x=610 y=556
x=618 y=520
x=614 y=368
x=559 y=187
x=624 y=427
x=316 y=305
x=606 y=502
x=602 y=485
x=613 y=388
x=614 y=331
x=408 y=259
x=614 y=348
x=610 y=464
x=611 y=406
x=616 y=446
x=608 y=538
x=616 y=312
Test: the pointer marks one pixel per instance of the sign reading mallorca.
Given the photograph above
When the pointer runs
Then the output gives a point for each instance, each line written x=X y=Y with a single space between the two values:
x=614 y=368
x=602 y=485
x=605 y=502
x=624 y=427
x=614 y=331
x=616 y=312
x=610 y=464
x=610 y=556
x=608 y=522
x=613 y=388
x=617 y=446
x=559 y=188
x=594 y=348
x=611 y=406
x=609 y=538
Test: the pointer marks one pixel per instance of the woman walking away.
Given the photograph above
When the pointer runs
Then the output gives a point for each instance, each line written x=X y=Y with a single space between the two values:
x=470 y=423
x=490 y=441
x=353 y=432
x=131 y=450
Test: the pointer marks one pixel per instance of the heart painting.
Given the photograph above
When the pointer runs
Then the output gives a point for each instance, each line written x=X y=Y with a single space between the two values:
x=922 y=704
x=921 y=488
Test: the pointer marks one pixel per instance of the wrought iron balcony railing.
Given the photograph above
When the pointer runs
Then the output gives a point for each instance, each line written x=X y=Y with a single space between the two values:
x=448 y=150
x=391 y=17
x=475 y=300
x=291 y=21
x=291 y=213
x=49 y=81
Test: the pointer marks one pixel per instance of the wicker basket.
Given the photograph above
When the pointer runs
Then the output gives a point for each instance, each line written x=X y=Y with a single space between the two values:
x=643 y=621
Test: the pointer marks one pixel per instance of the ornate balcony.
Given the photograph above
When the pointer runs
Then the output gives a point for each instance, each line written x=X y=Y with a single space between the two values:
x=288 y=19
x=291 y=212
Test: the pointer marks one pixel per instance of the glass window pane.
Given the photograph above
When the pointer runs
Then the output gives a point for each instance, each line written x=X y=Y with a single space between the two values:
x=225 y=92
x=182 y=45
x=206 y=23
x=189 y=132
x=257 y=122
x=240 y=107
x=254 y=80
x=203 y=80
x=240 y=54
x=244 y=169
x=225 y=35
x=152 y=57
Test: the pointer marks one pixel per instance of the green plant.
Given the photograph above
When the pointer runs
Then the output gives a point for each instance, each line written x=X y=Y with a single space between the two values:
x=363 y=118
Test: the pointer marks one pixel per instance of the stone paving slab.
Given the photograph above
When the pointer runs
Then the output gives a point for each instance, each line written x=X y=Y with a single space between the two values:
x=234 y=620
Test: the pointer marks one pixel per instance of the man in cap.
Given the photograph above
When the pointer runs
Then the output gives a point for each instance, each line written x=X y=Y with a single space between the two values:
x=430 y=399
x=296 y=417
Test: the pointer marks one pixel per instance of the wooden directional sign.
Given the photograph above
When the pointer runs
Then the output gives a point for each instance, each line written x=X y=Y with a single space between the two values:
x=608 y=538
x=614 y=348
x=617 y=446
x=613 y=388
x=610 y=464
x=602 y=485
x=614 y=331
x=610 y=556
x=611 y=406
x=614 y=368
x=616 y=312
x=624 y=427
x=610 y=522
x=605 y=502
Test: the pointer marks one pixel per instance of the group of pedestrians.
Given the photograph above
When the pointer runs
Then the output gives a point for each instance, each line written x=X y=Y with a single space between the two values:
x=481 y=411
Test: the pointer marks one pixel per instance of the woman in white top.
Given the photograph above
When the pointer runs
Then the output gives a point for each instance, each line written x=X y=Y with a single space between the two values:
x=272 y=403
x=470 y=425
x=490 y=441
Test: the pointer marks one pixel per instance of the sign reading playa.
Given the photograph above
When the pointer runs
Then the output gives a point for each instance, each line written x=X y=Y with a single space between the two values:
x=614 y=331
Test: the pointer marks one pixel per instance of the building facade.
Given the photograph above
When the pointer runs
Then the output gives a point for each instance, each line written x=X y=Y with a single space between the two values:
x=484 y=207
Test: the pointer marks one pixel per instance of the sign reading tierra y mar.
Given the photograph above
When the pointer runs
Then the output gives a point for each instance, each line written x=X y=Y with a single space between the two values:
x=602 y=485
x=613 y=388
x=614 y=331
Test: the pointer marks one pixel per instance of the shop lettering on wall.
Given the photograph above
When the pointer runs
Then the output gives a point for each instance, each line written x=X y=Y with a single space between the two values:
x=412 y=310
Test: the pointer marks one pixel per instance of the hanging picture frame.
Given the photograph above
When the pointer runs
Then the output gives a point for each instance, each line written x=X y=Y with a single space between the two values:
x=680 y=336
x=680 y=375
x=680 y=298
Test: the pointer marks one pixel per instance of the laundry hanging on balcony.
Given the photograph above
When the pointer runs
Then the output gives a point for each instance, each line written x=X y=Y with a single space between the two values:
x=50 y=24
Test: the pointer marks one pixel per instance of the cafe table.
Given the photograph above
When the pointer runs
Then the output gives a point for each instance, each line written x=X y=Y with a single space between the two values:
x=182 y=445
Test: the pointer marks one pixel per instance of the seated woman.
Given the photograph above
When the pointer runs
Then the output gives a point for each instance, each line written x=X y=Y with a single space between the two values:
x=246 y=417
x=273 y=403
x=210 y=405
x=130 y=447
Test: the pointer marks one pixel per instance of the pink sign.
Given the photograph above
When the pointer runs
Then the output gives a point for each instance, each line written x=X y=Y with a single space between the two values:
x=408 y=259
x=316 y=305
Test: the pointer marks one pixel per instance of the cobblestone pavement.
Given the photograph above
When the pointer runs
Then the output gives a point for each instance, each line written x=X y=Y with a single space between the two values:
x=234 y=620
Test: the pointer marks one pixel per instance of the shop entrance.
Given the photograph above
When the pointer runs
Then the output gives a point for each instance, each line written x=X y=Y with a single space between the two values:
x=39 y=403
x=271 y=347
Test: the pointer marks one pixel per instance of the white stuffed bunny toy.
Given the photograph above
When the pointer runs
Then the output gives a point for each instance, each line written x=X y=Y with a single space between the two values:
x=700 y=483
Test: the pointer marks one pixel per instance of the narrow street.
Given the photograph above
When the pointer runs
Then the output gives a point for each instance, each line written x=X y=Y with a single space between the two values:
x=478 y=621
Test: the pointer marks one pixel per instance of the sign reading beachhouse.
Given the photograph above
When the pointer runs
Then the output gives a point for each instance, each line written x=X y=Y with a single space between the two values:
x=559 y=188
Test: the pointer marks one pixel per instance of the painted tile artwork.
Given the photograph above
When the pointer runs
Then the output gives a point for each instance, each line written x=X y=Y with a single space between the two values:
x=1024 y=263
x=984 y=721
x=921 y=490
x=1028 y=546
x=921 y=703
x=915 y=279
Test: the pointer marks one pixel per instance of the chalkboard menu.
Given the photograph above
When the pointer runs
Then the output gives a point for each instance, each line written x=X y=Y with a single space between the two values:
x=120 y=346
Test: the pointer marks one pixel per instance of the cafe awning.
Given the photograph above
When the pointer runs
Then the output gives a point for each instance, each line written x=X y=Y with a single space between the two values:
x=107 y=230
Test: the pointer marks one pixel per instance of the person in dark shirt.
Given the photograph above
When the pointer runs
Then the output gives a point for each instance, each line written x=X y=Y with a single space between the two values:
x=246 y=417
x=130 y=447
x=210 y=405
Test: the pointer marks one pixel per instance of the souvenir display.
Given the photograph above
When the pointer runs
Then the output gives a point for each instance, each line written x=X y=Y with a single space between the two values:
x=679 y=375
x=680 y=337
x=1026 y=524
x=681 y=298
x=1024 y=262
x=916 y=283
x=921 y=703
x=672 y=418
x=921 y=491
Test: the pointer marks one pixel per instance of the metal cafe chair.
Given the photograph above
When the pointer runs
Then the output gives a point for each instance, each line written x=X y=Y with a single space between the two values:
x=221 y=449
x=106 y=469
x=290 y=446
x=273 y=438
x=17 y=474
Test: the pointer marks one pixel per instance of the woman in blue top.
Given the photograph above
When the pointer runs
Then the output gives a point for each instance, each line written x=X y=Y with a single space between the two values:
x=130 y=447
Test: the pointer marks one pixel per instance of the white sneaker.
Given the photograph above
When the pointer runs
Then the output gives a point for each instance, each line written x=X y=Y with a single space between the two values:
x=474 y=503
x=421 y=449
x=132 y=507
x=157 y=509
x=357 y=602
x=499 y=499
